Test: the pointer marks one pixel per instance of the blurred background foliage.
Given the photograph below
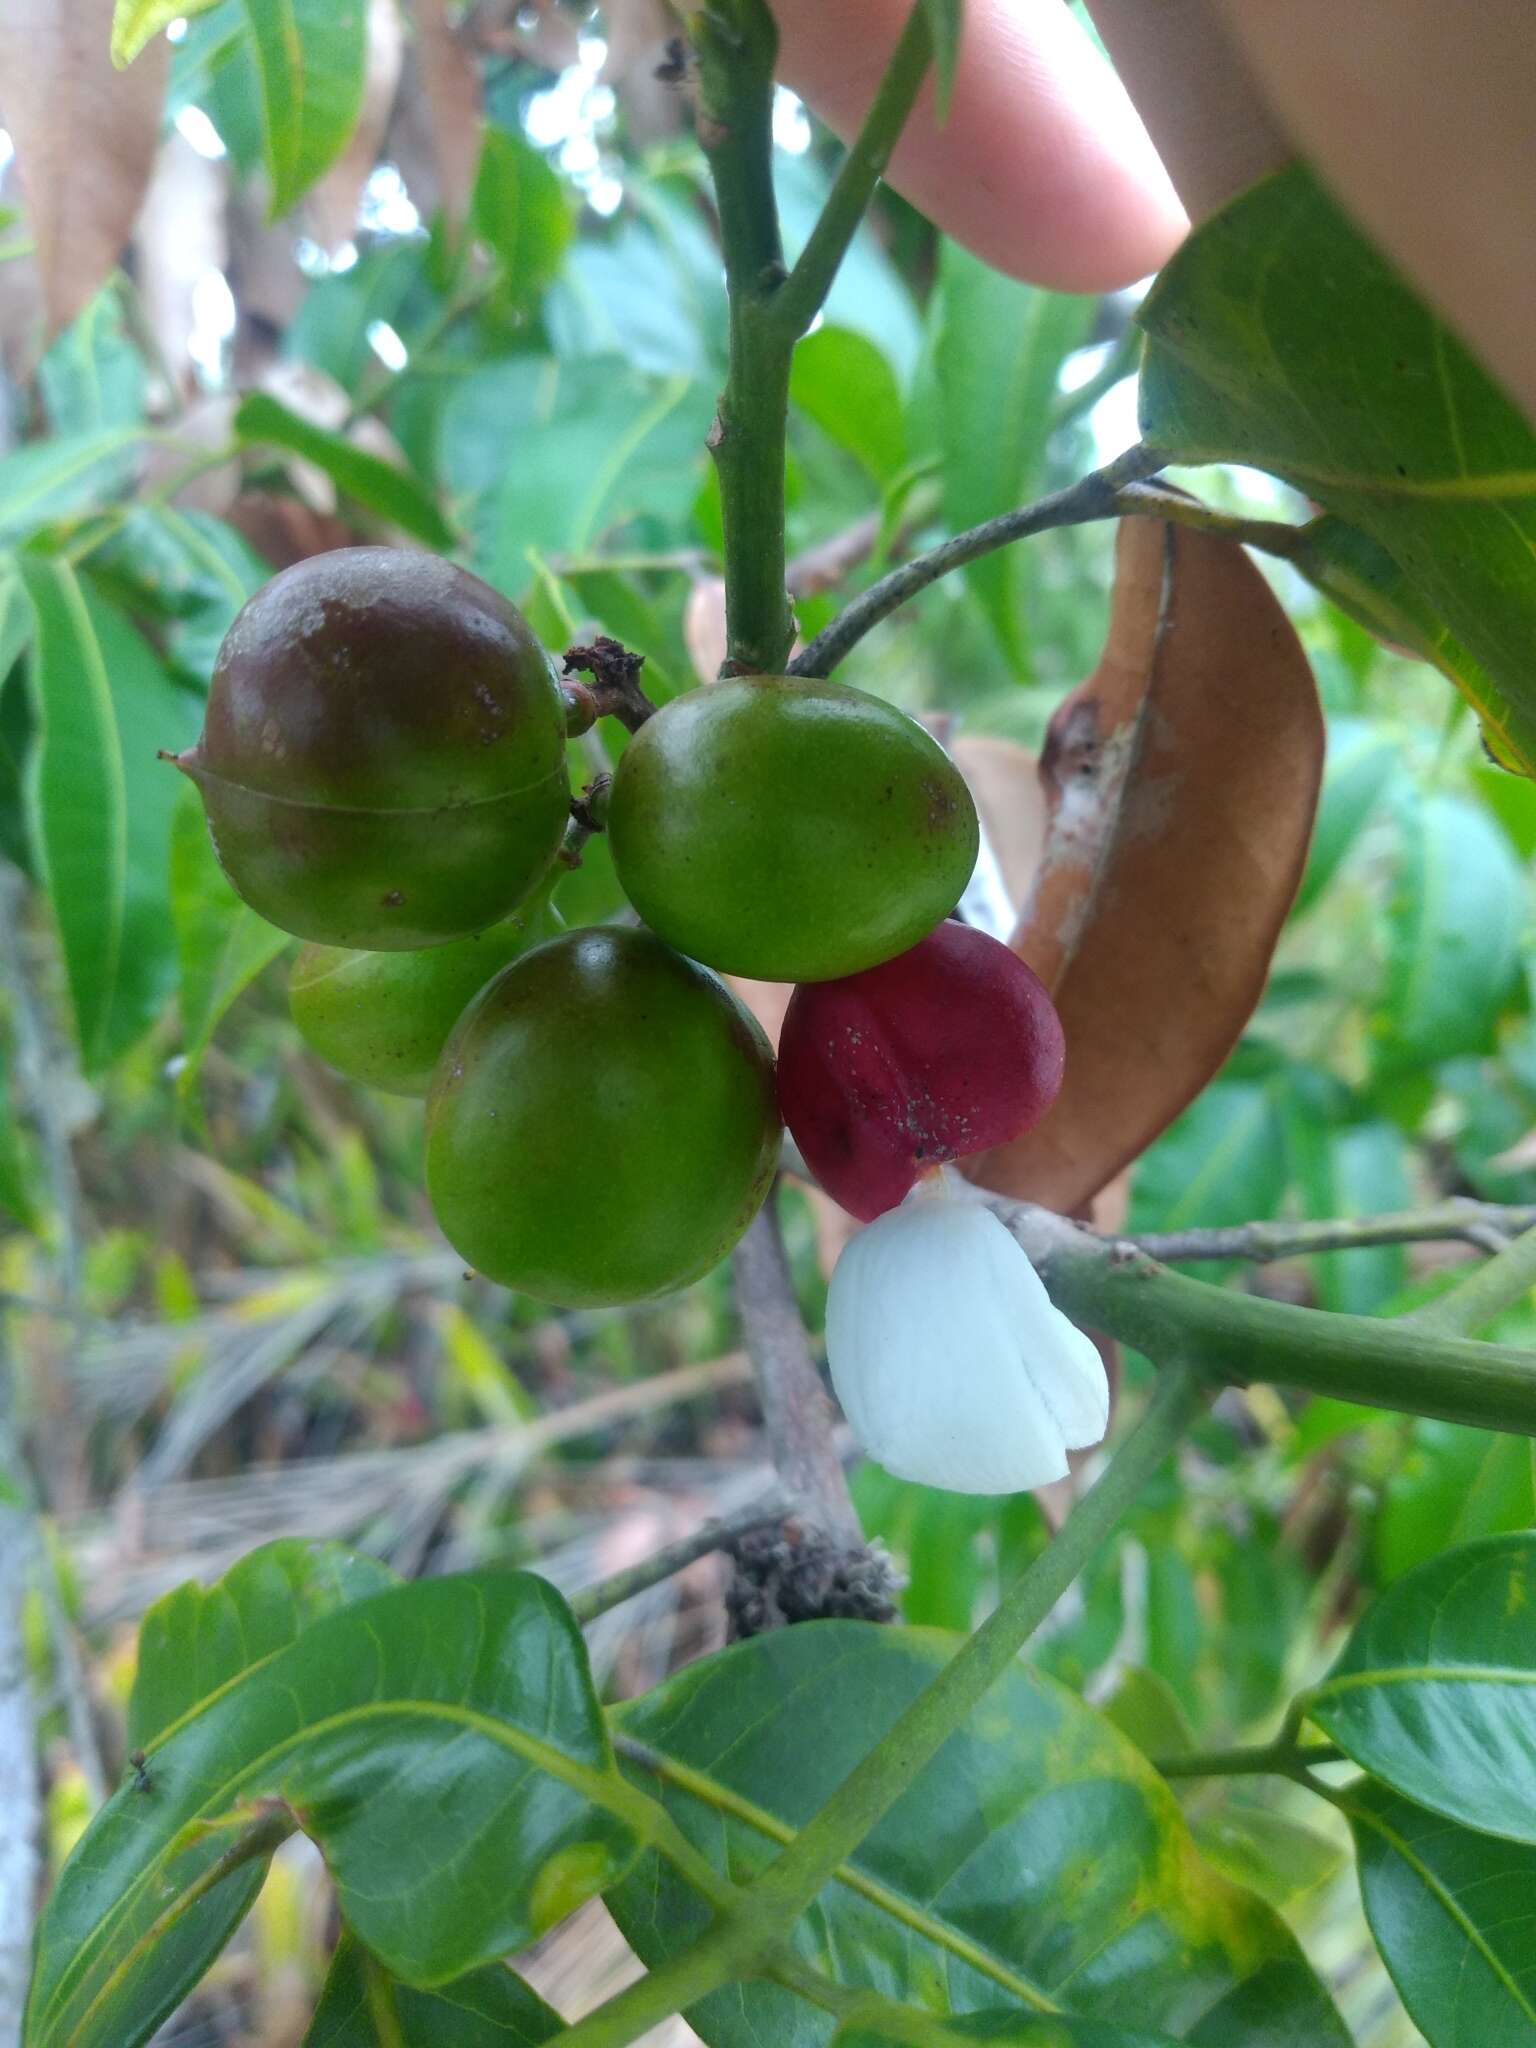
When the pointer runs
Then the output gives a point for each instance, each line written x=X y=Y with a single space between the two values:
x=496 y=326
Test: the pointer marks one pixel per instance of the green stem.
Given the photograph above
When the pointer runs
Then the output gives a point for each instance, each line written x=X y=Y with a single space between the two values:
x=737 y=43
x=1239 y=1337
x=1095 y=496
x=663 y=1564
x=725 y=1955
x=383 y=2012
x=806 y=288
x=1283 y=1759
x=1270 y=536
x=1508 y=1276
x=793 y=1879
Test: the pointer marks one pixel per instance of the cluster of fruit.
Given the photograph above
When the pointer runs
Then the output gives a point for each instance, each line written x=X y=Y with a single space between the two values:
x=383 y=766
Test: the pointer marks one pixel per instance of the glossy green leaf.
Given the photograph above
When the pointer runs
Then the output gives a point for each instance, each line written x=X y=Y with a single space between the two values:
x=1000 y=348
x=309 y=62
x=1360 y=764
x=845 y=386
x=894 y=2028
x=15 y=618
x=1452 y=1485
x=1454 y=1915
x=1457 y=915
x=264 y=422
x=221 y=943
x=101 y=803
x=136 y=23
x=1415 y=447
x=1435 y=1692
x=441 y=1743
x=519 y=208
x=198 y=1639
x=68 y=473
x=489 y=2008
x=1038 y=1861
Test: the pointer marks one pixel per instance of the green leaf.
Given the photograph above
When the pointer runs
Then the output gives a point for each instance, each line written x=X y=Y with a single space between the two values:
x=489 y=2008
x=1038 y=1861
x=1222 y=1161
x=1456 y=920
x=519 y=208
x=1436 y=1689
x=198 y=1639
x=441 y=1743
x=92 y=376
x=897 y=2027
x=1454 y=1915
x=396 y=495
x=101 y=803
x=1279 y=1858
x=597 y=446
x=1353 y=1169
x=1146 y=1708
x=137 y=22
x=1415 y=447
x=309 y=62
x=999 y=353
x=221 y=943
x=69 y=473
x=1361 y=762
x=1453 y=1485
x=15 y=618
x=944 y=28
x=845 y=386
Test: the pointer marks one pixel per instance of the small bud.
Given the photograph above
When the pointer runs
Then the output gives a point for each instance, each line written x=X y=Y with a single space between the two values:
x=952 y=1364
x=947 y=1050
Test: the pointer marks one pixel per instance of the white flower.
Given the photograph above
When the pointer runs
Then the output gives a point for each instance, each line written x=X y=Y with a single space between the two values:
x=952 y=1364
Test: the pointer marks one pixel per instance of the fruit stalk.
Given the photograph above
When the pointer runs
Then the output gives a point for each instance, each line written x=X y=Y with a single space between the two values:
x=737 y=44
x=796 y=1411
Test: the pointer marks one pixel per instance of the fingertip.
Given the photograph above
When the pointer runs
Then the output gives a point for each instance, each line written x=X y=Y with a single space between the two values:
x=1042 y=165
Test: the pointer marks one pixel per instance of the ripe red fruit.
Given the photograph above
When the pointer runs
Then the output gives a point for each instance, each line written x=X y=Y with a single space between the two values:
x=944 y=1051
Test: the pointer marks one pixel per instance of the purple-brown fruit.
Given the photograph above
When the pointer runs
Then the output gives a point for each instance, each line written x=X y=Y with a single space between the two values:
x=383 y=756
x=949 y=1049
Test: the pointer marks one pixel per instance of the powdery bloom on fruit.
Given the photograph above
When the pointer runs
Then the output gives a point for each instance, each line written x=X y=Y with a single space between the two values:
x=952 y=1364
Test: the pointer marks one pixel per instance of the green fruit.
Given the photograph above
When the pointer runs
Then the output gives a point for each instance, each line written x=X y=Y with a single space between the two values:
x=790 y=830
x=384 y=1018
x=383 y=758
x=602 y=1127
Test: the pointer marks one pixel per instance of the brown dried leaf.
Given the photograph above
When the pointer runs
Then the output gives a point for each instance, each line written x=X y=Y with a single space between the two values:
x=85 y=138
x=450 y=83
x=333 y=202
x=1182 y=779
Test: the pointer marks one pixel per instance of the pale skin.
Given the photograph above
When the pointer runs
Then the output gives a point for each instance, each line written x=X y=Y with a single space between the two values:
x=1421 y=114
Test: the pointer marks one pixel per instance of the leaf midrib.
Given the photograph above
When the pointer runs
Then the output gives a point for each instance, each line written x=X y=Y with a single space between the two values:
x=710 y=1792
x=1362 y=1817
x=599 y=1787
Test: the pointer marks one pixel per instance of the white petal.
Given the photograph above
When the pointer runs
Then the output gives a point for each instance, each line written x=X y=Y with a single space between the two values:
x=951 y=1363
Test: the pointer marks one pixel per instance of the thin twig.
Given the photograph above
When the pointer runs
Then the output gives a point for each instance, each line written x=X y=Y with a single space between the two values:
x=713 y=1535
x=1271 y=536
x=1453 y=1221
x=1095 y=496
x=800 y=297
x=796 y=1411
